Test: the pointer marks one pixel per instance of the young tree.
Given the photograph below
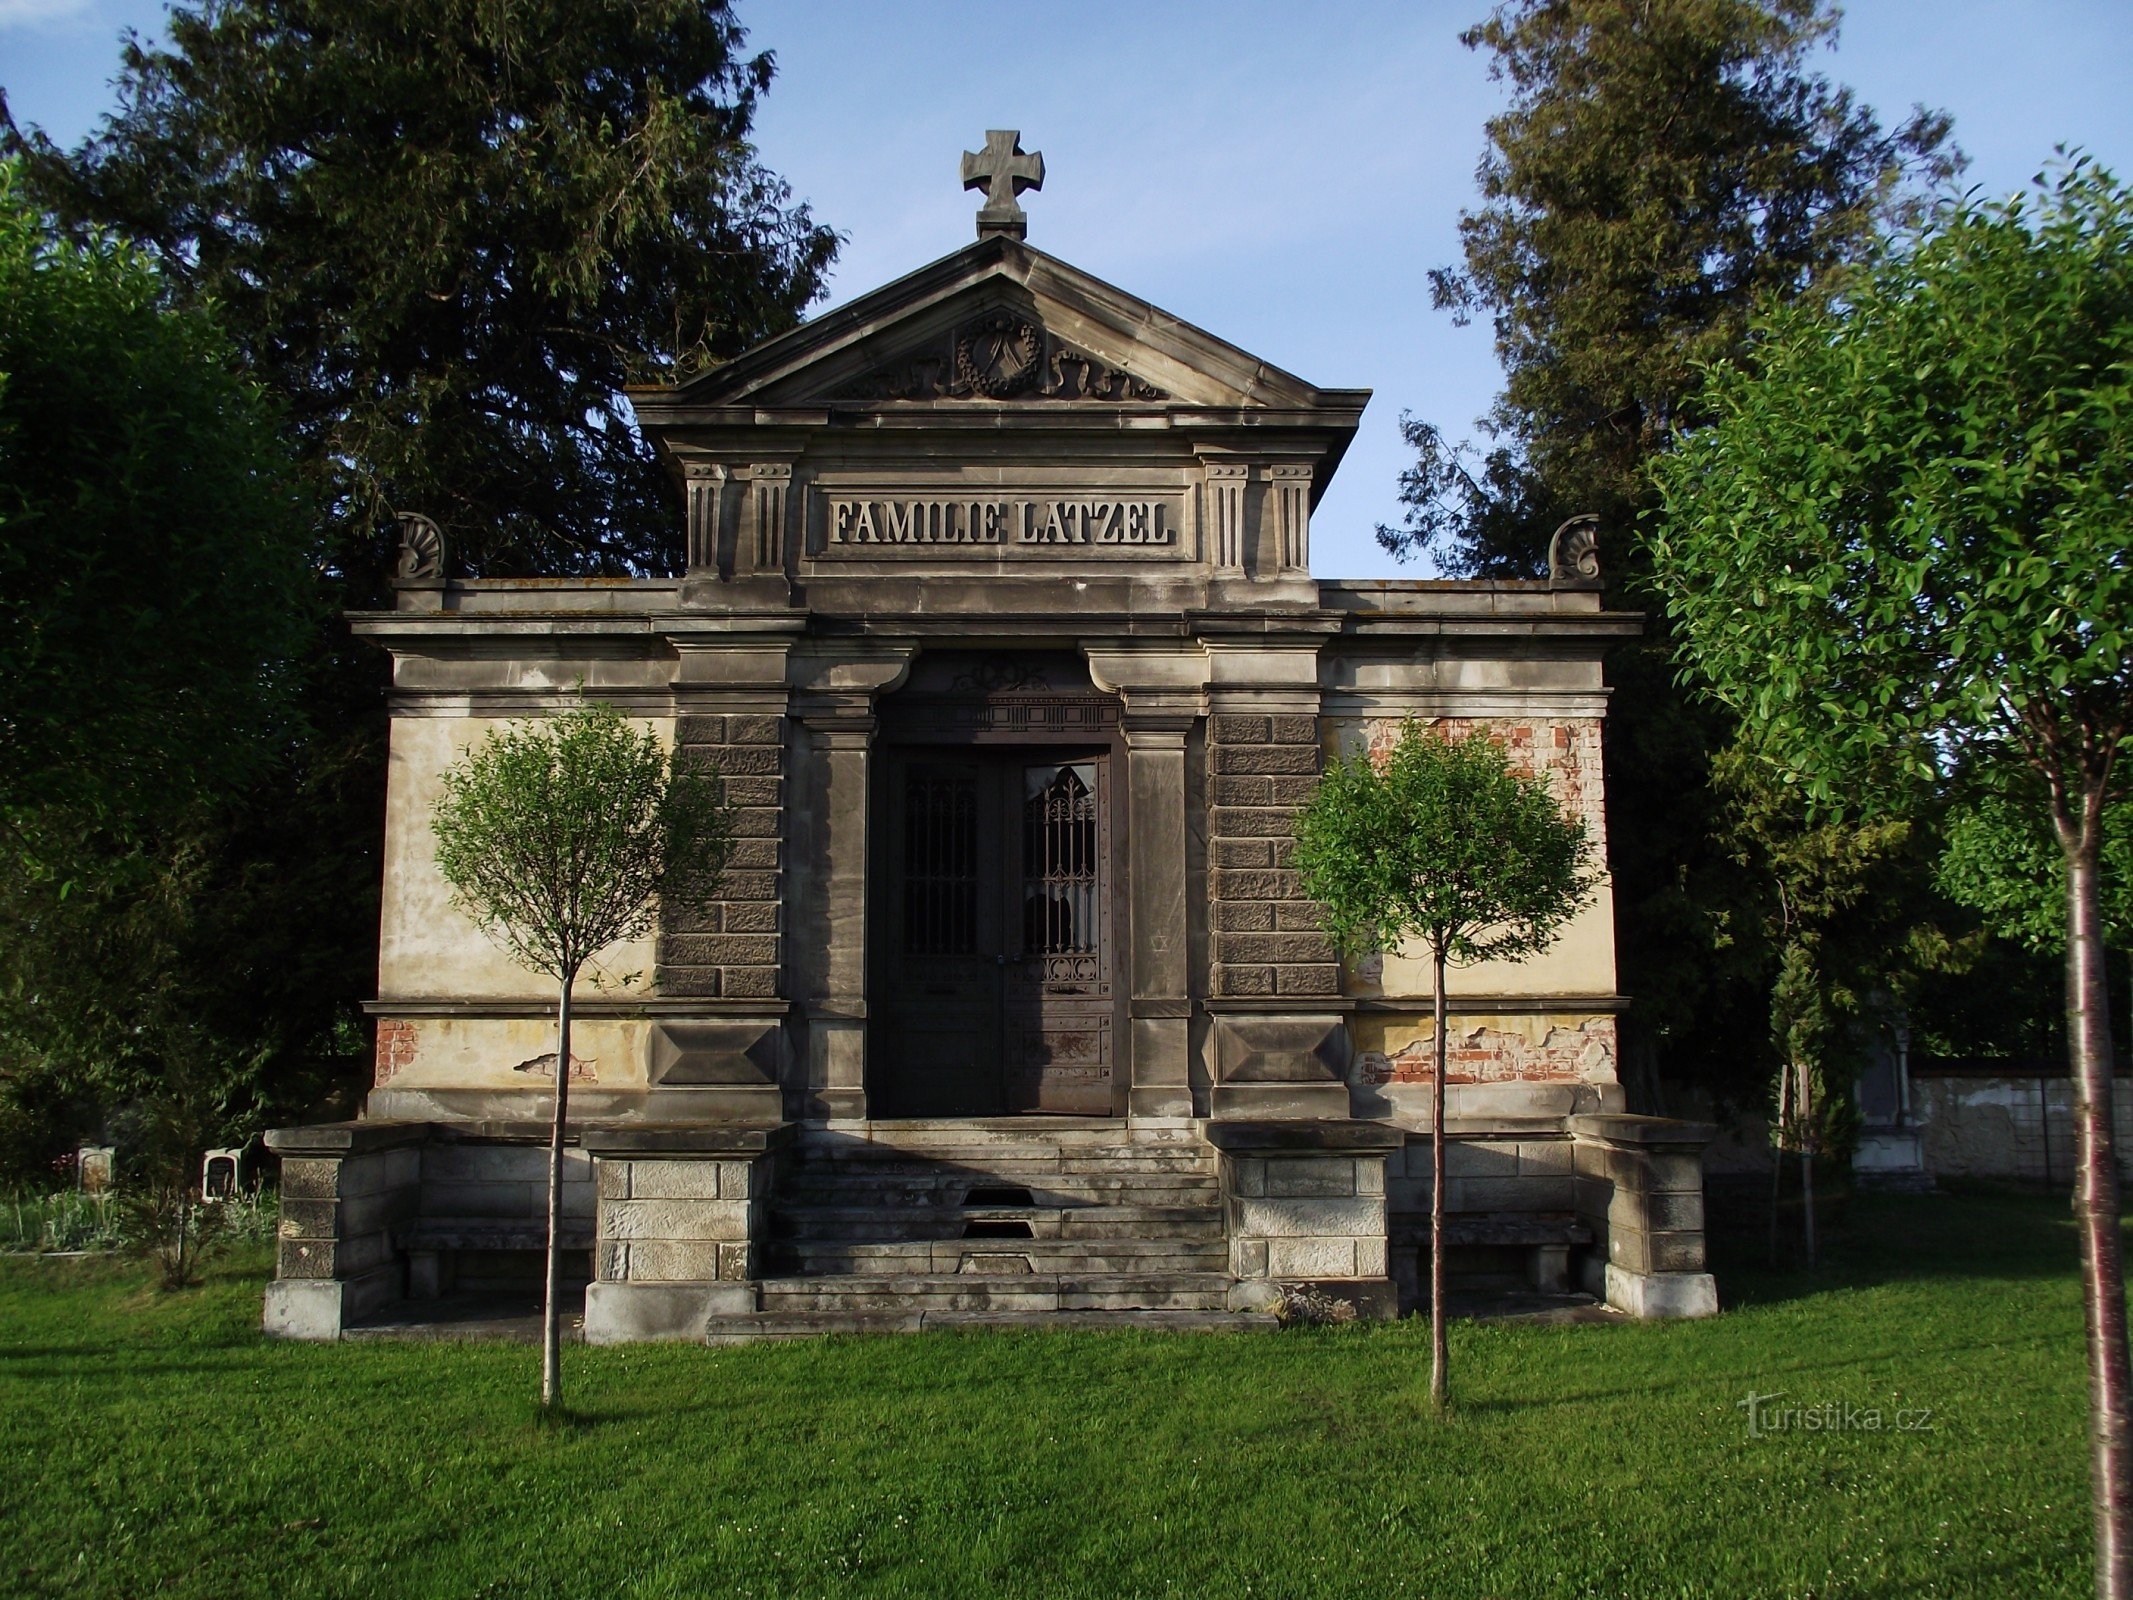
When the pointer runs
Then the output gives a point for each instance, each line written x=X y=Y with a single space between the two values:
x=1441 y=841
x=1659 y=167
x=448 y=233
x=1904 y=545
x=560 y=838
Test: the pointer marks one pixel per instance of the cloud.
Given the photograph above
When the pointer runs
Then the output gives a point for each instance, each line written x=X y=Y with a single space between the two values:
x=41 y=13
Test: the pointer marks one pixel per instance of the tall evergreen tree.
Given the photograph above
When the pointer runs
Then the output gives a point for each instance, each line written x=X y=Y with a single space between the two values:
x=445 y=234
x=1662 y=166
x=448 y=233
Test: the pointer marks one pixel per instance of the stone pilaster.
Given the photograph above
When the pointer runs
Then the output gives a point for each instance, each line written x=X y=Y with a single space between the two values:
x=705 y=489
x=835 y=690
x=1289 y=508
x=1161 y=690
x=1227 y=482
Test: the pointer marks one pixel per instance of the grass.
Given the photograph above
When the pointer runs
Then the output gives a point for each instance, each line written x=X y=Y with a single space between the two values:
x=155 y=1444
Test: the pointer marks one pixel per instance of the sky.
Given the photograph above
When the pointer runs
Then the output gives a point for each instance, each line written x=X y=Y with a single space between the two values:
x=1282 y=175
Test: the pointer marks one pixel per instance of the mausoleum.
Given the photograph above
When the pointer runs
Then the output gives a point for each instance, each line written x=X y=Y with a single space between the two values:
x=999 y=622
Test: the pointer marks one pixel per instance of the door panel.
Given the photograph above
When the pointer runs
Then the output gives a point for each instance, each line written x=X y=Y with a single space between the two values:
x=1059 y=993
x=993 y=987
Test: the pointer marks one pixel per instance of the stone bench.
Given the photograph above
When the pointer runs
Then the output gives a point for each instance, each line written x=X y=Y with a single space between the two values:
x=1548 y=1237
x=431 y=1244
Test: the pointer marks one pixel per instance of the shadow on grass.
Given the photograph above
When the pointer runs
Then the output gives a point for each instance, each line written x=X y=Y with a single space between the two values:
x=1879 y=1240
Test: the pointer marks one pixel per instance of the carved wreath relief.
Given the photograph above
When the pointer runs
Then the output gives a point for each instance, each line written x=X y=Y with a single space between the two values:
x=997 y=356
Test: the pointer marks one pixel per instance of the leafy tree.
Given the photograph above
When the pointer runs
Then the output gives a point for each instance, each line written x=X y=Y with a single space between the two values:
x=1903 y=548
x=156 y=597
x=1441 y=841
x=448 y=234
x=563 y=837
x=1848 y=929
x=1661 y=166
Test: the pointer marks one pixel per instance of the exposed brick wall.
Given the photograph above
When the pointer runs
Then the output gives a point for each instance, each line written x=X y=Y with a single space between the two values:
x=731 y=948
x=1481 y=1050
x=397 y=1043
x=1265 y=931
x=1566 y=753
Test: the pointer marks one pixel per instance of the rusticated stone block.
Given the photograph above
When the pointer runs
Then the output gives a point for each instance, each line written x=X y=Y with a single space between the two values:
x=1240 y=852
x=753 y=791
x=1298 y=916
x=753 y=730
x=748 y=983
x=306 y=1178
x=1241 y=791
x=751 y=916
x=1237 y=822
x=748 y=855
x=756 y=822
x=1244 y=916
x=749 y=760
x=1294 y=730
x=1229 y=729
x=700 y=730
x=1268 y=759
x=1308 y=980
x=1290 y=947
x=1291 y=791
x=1244 y=981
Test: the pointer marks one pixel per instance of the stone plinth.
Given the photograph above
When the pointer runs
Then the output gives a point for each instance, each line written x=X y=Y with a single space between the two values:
x=1305 y=1205
x=1640 y=1188
x=680 y=1223
x=345 y=1187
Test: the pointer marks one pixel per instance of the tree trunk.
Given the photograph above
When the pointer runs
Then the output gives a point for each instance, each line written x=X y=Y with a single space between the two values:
x=551 y=1313
x=1809 y=1144
x=1778 y=1139
x=1440 y=1383
x=2110 y=1387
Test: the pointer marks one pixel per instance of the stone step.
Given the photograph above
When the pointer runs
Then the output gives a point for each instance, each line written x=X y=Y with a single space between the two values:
x=828 y=1257
x=761 y=1326
x=985 y=1291
x=956 y=1185
x=977 y=1132
x=875 y=1222
x=987 y=1165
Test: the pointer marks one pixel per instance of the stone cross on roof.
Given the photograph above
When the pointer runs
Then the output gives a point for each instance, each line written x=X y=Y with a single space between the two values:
x=1003 y=172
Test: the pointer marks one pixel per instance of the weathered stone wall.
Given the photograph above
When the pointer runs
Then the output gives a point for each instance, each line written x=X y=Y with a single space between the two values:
x=1553 y=1047
x=2015 y=1128
x=732 y=948
x=1265 y=934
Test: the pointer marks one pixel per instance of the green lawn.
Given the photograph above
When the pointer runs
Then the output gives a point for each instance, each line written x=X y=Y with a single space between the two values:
x=155 y=1445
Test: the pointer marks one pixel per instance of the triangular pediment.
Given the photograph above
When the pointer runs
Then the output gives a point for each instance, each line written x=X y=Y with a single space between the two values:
x=1001 y=324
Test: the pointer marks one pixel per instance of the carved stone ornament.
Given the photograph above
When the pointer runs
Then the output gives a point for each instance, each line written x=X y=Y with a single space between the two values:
x=997 y=673
x=1574 y=551
x=421 y=564
x=996 y=355
x=999 y=355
